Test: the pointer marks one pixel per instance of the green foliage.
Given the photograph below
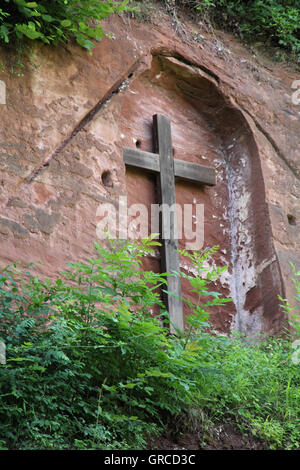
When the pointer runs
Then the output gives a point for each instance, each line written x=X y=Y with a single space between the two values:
x=143 y=10
x=258 y=389
x=293 y=313
x=89 y=367
x=201 y=285
x=275 y=20
x=56 y=21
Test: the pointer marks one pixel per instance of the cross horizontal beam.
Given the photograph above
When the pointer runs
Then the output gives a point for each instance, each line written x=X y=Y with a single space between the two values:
x=184 y=171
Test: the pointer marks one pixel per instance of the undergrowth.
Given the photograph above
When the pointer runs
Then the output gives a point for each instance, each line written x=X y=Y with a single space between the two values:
x=88 y=367
x=293 y=312
x=275 y=22
x=257 y=389
x=271 y=23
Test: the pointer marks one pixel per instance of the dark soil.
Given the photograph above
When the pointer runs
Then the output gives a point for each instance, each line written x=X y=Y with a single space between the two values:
x=226 y=437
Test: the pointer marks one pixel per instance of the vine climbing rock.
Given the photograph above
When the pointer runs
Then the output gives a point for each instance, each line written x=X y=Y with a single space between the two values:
x=67 y=120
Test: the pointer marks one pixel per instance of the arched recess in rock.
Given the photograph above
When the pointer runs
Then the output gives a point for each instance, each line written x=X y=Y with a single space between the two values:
x=208 y=128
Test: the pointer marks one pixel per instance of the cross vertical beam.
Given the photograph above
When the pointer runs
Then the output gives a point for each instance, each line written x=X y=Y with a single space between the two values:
x=170 y=257
x=167 y=170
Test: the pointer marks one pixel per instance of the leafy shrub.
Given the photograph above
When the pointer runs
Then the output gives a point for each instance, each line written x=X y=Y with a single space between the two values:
x=293 y=313
x=56 y=21
x=201 y=285
x=258 y=389
x=277 y=20
x=59 y=20
x=88 y=366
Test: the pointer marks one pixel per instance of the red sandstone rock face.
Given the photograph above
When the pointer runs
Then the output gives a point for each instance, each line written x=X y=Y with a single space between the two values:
x=65 y=125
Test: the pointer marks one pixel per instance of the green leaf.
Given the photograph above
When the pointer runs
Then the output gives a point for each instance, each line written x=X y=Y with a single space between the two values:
x=66 y=23
x=48 y=18
x=28 y=31
x=87 y=44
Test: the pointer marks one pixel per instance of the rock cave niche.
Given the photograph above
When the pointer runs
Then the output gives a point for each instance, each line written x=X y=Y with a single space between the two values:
x=209 y=129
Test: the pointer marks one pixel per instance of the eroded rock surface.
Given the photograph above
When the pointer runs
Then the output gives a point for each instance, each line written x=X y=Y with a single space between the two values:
x=67 y=120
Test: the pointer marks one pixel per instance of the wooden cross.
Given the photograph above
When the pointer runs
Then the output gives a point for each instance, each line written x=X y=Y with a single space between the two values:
x=163 y=164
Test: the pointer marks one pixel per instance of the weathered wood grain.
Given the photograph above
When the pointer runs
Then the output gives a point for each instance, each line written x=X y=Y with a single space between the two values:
x=186 y=171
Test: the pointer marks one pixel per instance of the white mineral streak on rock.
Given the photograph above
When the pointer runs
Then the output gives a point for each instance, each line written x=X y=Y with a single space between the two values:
x=2 y=353
x=244 y=274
